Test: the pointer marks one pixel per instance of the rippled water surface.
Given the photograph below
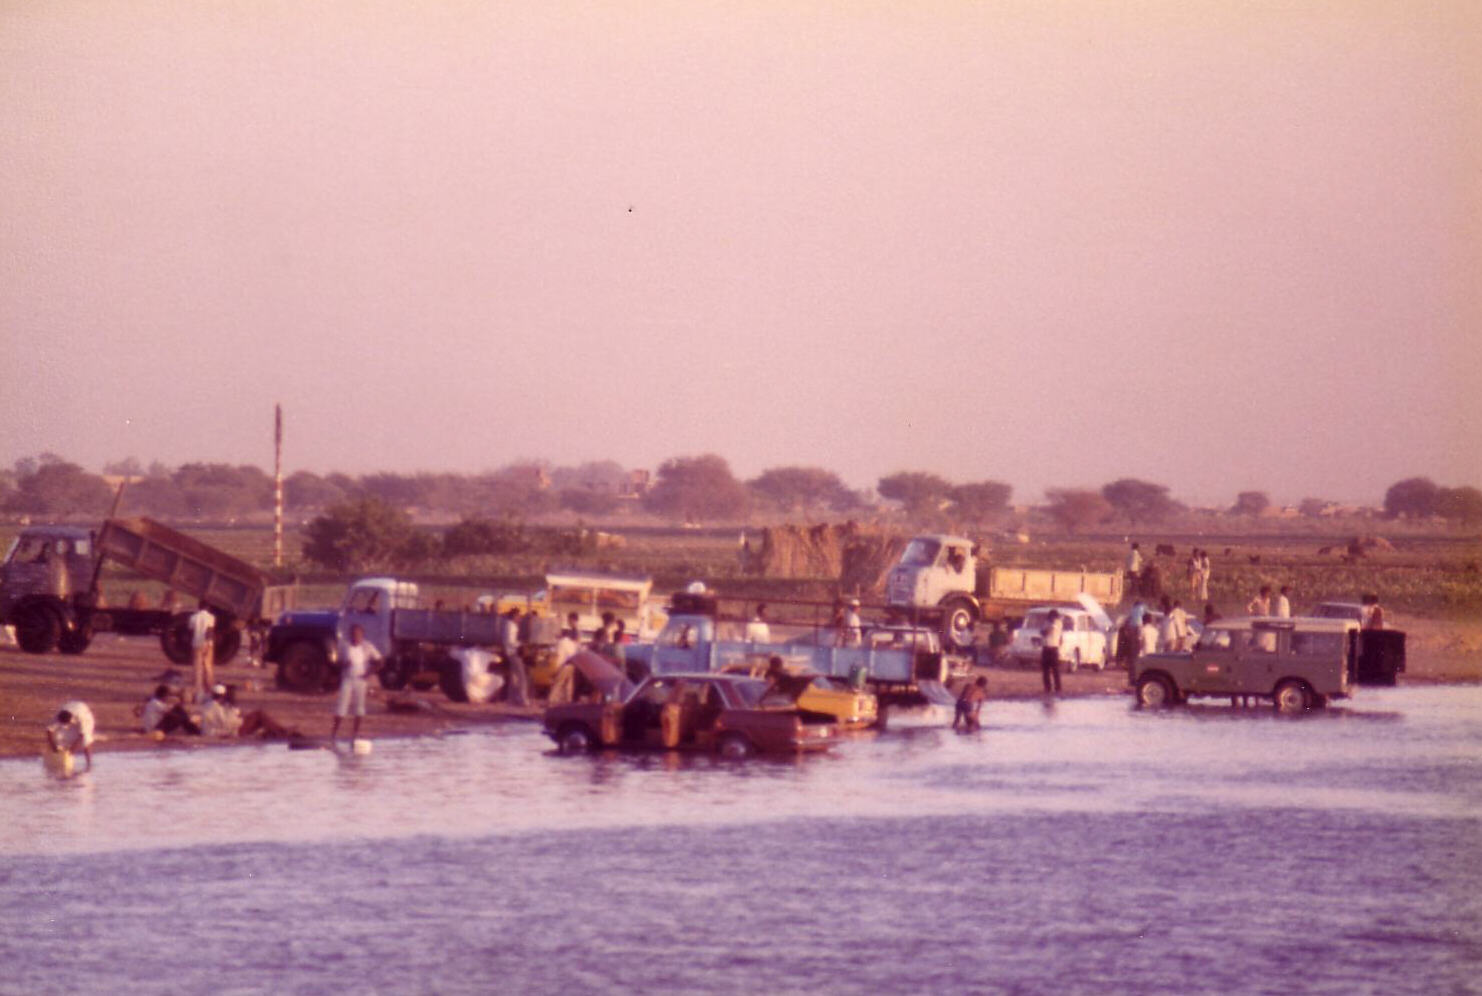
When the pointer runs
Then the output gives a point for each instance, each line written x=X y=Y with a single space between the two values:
x=1081 y=848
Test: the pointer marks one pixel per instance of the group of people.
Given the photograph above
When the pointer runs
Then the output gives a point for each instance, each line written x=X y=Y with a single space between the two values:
x=1146 y=579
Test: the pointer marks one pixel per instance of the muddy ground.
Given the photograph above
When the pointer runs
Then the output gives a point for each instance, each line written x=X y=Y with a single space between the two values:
x=117 y=673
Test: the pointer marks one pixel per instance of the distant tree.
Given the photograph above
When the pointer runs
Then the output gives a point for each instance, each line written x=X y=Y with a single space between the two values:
x=584 y=501
x=1075 y=508
x=1463 y=505
x=802 y=489
x=695 y=489
x=58 y=488
x=127 y=467
x=221 y=490
x=26 y=466
x=361 y=534
x=917 y=491
x=1414 y=497
x=519 y=489
x=603 y=476
x=304 y=489
x=1140 y=501
x=1311 y=508
x=981 y=501
x=160 y=497
x=402 y=490
x=1250 y=503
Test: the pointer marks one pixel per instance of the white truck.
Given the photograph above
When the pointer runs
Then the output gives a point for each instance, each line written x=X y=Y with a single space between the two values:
x=940 y=580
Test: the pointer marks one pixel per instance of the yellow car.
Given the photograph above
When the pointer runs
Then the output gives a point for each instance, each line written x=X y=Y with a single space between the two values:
x=852 y=708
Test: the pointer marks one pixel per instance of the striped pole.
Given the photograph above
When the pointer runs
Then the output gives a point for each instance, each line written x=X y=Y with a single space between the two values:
x=277 y=485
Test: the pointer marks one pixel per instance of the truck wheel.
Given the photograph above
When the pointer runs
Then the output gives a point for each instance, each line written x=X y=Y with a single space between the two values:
x=450 y=679
x=1292 y=696
x=37 y=629
x=394 y=673
x=1155 y=692
x=575 y=738
x=75 y=641
x=175 y=639
x=303 y=667
x=958 y=619
x=228 y=641
x=734 y=746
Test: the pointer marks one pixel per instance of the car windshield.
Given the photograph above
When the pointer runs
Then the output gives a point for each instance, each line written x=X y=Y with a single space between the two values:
x=920 y=553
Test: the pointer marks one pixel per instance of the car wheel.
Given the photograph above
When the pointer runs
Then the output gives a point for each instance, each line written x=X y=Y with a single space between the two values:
x=37 y=629
x=575 y=739
x=734 y=746
x=1291 y=697
x=1154 y=692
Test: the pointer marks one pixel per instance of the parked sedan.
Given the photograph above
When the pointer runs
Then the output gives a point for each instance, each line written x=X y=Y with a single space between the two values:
x=732 y=715
x=1083 y=643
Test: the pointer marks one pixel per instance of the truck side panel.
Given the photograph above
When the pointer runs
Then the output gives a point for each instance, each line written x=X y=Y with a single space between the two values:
x=161 y=554
x=1015 y=584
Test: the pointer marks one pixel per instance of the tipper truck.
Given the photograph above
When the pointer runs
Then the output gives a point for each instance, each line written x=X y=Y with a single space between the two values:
x=49 y=587
x=940 y=580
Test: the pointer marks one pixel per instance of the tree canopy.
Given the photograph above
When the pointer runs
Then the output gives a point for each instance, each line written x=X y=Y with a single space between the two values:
x=1140 y=501
x=916 y=490
x=802 y=489
x=1076 y=508
x=1414 y=497
x=696 y=489
x=981 y=501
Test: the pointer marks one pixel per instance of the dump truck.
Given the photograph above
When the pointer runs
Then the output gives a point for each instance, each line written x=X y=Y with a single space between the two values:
x=49 y=587
x=419 y=646
x=941 y=580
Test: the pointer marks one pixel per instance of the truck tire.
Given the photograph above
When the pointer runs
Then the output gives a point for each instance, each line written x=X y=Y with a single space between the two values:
x=394 y=672
x=38 y=627
x=450 y=679
x=175 y=639
x=303 y=667
x=959 y=616
x=228 y=640
x=74 y=640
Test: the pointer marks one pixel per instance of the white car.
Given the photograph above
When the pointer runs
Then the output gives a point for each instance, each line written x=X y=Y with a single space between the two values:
x=1083 y=639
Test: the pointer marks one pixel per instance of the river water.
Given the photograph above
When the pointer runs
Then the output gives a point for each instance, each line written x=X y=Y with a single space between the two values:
x=1081 y=848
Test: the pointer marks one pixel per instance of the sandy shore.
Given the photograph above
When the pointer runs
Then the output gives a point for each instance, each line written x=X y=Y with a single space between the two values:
x=117 y=673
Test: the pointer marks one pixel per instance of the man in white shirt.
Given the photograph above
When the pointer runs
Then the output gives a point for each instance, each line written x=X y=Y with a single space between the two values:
x=1149 y=634
x=72 y=730
x=757 y=631
x=202 y=638
x=1176 y=633
x=358 y=661
x=853 y=627
x=1049 y=655
x=1282 y=609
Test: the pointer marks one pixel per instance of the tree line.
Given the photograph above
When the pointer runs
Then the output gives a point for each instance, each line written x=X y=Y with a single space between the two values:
x=694 y=489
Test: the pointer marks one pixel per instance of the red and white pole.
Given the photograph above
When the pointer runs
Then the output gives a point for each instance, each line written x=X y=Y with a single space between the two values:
x=277 y=485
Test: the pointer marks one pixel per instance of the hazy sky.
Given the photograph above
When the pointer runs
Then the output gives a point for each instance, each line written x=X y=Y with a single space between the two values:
x=1216 y=245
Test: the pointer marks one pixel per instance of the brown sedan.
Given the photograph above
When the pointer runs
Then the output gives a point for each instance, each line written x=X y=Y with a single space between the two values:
x=733 y=715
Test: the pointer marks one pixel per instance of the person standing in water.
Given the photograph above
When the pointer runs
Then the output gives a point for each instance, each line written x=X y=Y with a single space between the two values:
x=359 y=660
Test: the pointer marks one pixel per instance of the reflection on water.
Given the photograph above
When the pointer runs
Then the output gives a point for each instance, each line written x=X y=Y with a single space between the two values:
x=1084 y=847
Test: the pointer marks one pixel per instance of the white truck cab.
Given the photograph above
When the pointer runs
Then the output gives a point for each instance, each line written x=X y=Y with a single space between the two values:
x=369 y=603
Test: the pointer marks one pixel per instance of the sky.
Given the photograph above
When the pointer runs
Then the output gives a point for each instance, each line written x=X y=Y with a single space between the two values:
x=1216 y=246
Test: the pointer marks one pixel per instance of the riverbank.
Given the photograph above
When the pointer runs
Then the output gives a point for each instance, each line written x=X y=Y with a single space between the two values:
x=117 y=673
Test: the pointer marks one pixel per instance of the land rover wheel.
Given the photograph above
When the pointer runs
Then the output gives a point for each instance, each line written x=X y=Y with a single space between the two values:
x=958 y=619
x=394 y=673
x=1154 y=692
x=38 y=627
x=1291 y=697
x=303 y=667
x=734 y=746
x=575 y=738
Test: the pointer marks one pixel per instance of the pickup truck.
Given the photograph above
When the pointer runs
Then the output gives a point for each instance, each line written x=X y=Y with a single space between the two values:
x=941 y=580
x=49 y=587
x=909 y=682
x=418 y=646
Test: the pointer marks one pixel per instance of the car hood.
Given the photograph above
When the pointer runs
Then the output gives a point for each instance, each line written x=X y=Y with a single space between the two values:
x=604 y=675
